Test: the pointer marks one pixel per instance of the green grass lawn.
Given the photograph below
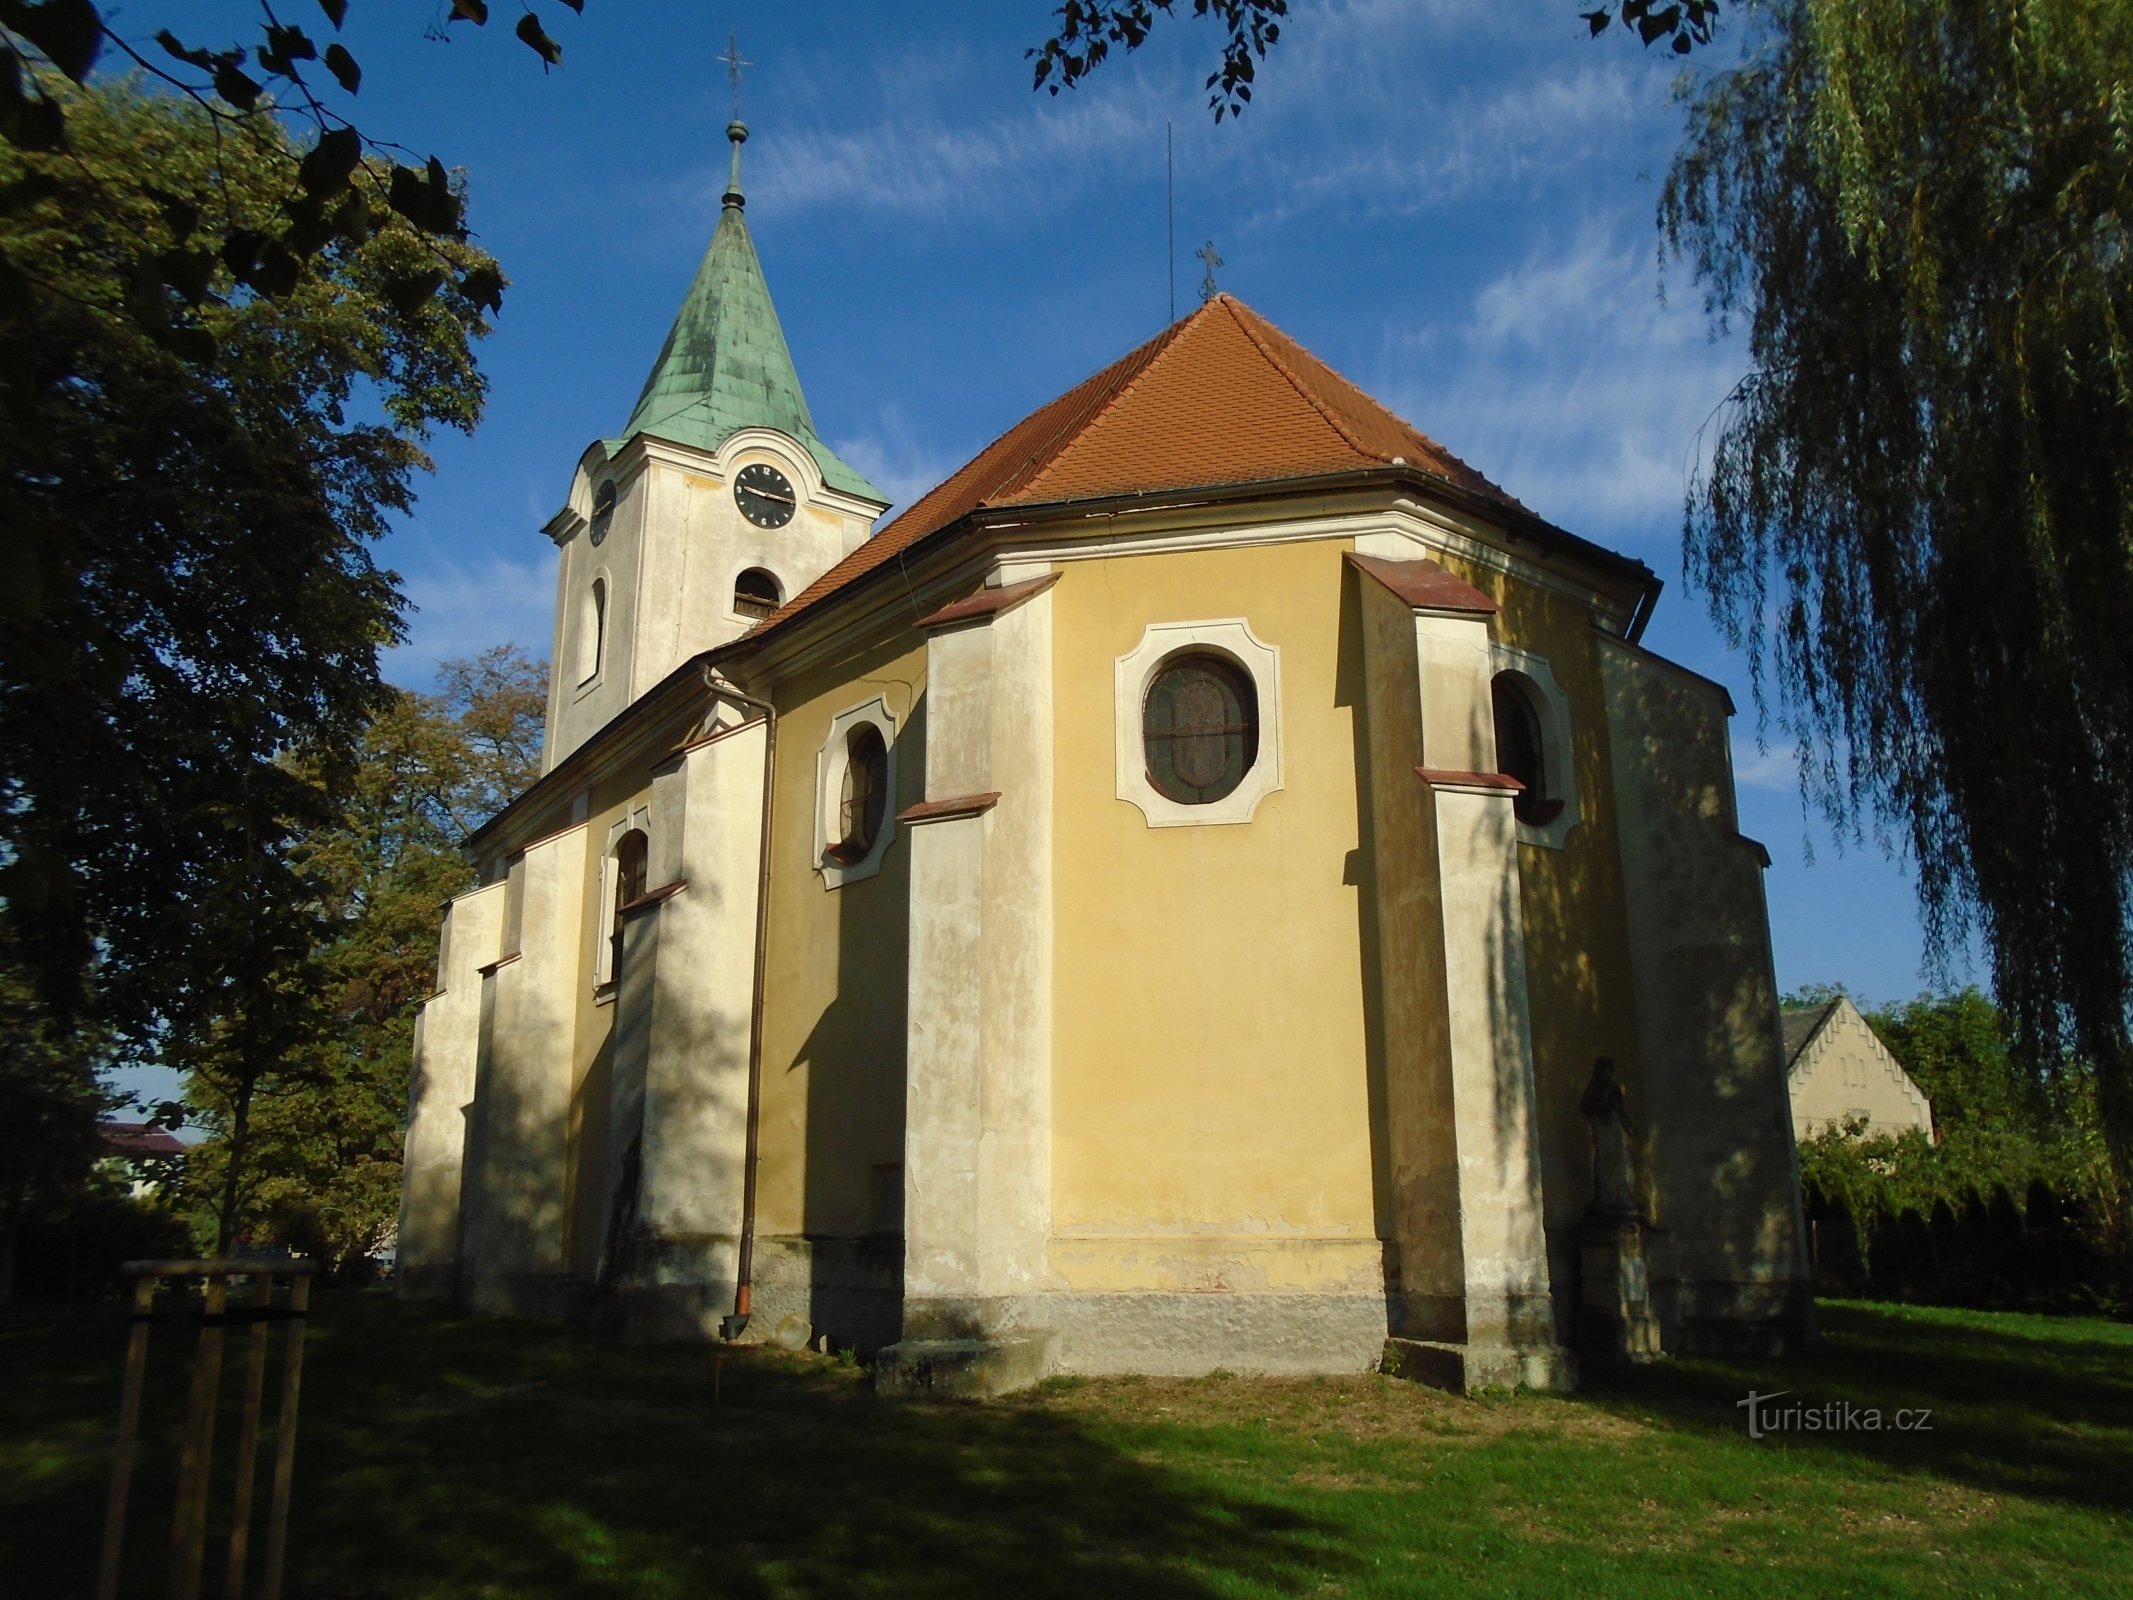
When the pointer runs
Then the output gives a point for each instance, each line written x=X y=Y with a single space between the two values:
x=452 y=1456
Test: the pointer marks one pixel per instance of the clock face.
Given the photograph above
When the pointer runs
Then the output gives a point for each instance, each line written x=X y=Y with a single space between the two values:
x=603 y=511
x=764 y=496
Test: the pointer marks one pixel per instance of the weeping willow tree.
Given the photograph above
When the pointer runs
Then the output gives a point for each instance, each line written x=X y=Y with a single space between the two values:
x=1916 y=512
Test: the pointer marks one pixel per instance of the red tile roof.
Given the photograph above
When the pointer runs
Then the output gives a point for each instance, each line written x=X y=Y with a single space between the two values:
x=1223 y=397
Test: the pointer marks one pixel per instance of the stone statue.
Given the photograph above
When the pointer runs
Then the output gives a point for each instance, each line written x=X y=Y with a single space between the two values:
x=1606 y=1110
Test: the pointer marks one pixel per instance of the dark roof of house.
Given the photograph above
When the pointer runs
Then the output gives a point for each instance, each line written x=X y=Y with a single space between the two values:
x=1802 y=1023
x=138 y=1139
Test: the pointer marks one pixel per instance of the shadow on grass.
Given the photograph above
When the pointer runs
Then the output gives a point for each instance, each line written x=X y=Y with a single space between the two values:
x=2024 y=1406
x=450 y=1456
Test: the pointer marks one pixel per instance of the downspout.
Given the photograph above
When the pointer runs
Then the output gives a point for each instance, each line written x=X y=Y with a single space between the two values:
x=733 y=1326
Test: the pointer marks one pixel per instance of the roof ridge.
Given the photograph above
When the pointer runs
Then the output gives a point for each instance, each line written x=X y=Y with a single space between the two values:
x=1164 y=342
x=1294 y=382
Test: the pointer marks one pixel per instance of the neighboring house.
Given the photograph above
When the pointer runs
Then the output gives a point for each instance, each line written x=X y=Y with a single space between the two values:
x=140 y=1154
x=1167 y=924
x=1838 y=1070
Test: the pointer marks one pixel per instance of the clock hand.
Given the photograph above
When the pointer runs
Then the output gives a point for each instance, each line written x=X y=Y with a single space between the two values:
x=771 y=494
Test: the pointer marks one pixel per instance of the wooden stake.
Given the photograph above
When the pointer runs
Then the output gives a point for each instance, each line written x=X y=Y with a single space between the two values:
x=285 y=1437
x=129 y=1430
x=255 y=1384
x=188 y=1523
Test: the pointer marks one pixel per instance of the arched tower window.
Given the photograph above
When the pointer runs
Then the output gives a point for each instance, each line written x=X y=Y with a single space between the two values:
x=756 y=593
x=592 y=631
x=632 y=860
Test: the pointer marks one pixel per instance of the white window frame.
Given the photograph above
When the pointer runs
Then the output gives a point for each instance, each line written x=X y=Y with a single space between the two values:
x=610 y=874
x=830 y=763
x=1232 y=639
x=1551 y=709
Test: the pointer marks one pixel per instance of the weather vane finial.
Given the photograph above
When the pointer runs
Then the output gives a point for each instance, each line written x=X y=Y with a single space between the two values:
x=734 y=63
x=1206 y=253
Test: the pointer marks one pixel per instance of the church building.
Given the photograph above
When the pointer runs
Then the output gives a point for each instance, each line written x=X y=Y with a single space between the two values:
x=1154 y=905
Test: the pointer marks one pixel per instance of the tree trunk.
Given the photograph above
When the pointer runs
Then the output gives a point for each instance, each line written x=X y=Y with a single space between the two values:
x=240 y=1134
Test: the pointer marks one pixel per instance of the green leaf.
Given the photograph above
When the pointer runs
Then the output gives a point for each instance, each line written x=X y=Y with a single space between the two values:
x=277 y=271
x=27 y=190
x=343 y=67
x=410 y=292
x=336 y=11
x=188 y=272
x=485 y=287
x=27 y=121
x=191 y=55
x=240 y=252
x=236 y=86
x=328 y=164
x=68 y=32
x=535 y=37
x=474 y=11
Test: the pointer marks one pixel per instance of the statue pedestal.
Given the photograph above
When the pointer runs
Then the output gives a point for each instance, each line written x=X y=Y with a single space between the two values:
x=1615 y=1319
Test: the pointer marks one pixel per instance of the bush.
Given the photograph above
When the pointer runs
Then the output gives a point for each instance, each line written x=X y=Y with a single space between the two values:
x=77 y=1255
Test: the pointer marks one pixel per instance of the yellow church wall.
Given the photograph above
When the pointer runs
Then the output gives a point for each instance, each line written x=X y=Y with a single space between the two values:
x=1211 y=1124
x=833 y=1028
x=1580 y=994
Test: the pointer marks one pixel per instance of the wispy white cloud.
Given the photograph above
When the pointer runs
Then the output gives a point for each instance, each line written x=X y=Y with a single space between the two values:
x=1568 y=381
x=1776 y=768
x=461 y=609
x=898 y=459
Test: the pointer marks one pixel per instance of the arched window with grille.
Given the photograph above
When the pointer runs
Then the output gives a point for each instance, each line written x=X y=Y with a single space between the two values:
x=632 y=865
x=1200 y=727
x=863 y=797
x=756 y=593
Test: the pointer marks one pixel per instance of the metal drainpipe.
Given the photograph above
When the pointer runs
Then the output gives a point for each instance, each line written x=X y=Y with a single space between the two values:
x=733 y=1326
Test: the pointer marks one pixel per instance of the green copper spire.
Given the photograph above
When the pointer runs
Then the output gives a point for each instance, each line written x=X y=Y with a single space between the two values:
x=725 y=365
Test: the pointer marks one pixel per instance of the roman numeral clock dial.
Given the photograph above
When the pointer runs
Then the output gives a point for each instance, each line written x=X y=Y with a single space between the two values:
x=764 y=495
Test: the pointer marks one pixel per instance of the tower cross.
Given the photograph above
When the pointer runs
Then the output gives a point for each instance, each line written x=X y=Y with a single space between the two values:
x=734 y=63
x=1206 y=253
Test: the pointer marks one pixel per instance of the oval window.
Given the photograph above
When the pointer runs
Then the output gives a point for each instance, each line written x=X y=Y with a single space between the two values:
x=1200 y=726
x=864 y=797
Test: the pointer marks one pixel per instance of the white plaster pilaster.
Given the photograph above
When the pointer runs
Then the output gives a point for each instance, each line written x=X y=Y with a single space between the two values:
x=1458 y=1066
x=519 y=1226
x=441 y=1092
x=977 y=1163
x=698 y=993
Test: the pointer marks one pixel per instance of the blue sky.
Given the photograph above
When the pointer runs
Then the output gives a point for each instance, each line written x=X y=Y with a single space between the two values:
x=1450 y=201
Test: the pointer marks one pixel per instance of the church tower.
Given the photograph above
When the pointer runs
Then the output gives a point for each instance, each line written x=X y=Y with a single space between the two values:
x=716 y=505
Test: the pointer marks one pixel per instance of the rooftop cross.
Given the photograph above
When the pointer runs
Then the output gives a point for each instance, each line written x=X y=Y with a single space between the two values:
x=734 y=63
x=736 y=130
x=1206 y=253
